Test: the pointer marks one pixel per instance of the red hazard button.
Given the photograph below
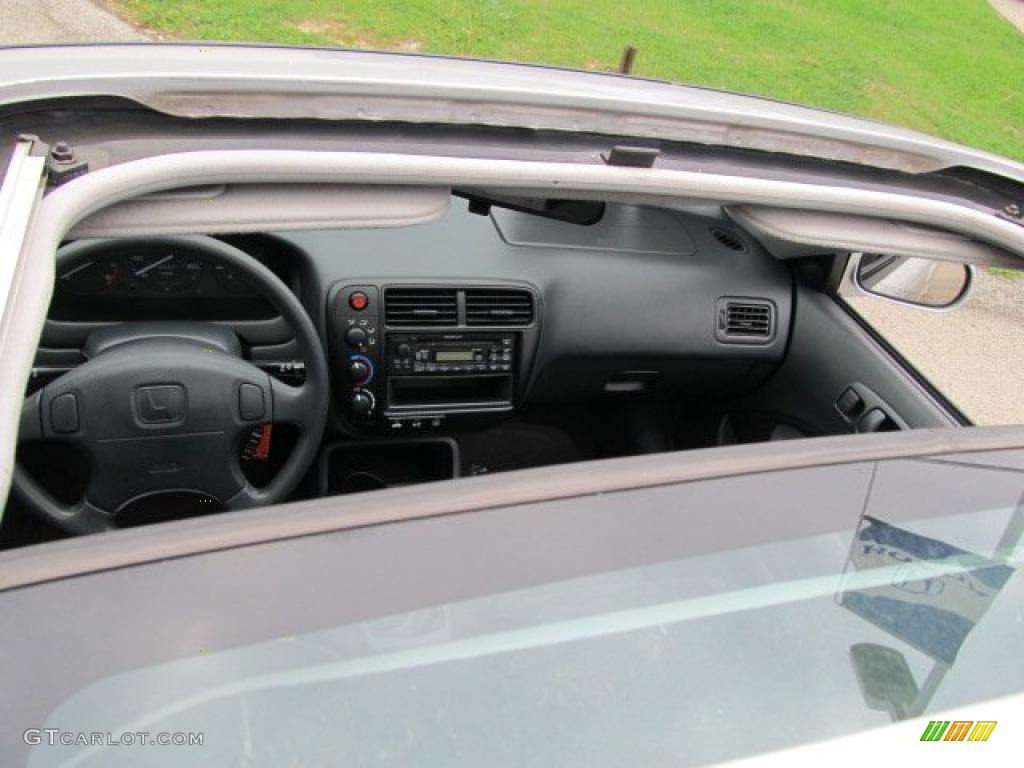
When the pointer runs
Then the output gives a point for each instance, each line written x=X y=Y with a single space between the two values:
x=358 y=301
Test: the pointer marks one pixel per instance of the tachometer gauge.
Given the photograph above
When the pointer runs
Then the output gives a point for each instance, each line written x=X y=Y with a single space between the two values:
x=163 y=272
x=92 y=277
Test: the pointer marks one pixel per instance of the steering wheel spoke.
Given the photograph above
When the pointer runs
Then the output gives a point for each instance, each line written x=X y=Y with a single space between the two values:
x=291 y=404
x=248 y=497
x=82 y=517
x=30 y=426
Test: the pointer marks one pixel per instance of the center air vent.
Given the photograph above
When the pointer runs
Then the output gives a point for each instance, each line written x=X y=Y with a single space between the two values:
x=498 y=306
x=421 y=306
x=745 y=321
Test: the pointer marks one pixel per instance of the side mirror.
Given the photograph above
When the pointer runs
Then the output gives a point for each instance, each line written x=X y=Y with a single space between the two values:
x=911 y=280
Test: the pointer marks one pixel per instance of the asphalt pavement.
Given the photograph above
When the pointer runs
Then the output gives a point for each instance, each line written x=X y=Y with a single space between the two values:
x=61 y=21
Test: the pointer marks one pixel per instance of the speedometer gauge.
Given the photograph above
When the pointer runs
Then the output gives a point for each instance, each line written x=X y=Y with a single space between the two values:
x=163 y=272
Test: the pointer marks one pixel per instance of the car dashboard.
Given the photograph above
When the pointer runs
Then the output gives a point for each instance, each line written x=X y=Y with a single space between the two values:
x=468 y=318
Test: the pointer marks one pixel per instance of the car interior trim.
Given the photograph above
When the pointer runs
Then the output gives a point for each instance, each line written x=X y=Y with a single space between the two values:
x=20 y=193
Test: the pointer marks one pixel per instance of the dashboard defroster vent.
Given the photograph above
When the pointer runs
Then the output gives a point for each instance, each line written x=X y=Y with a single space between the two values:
x=421 y=306
x=745 y=321
x=499 y=306
x=729 y=239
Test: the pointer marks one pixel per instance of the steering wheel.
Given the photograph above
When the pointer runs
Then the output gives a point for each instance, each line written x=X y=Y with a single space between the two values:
x=158 y=412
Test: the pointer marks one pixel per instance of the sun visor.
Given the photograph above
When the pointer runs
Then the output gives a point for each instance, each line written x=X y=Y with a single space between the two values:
x=789 y=234
x=267 y=207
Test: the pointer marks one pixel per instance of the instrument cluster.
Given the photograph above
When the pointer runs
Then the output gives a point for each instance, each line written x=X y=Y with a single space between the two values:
x=127 y=272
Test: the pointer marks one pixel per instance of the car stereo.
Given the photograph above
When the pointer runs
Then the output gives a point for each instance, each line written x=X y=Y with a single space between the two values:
x=449 y=354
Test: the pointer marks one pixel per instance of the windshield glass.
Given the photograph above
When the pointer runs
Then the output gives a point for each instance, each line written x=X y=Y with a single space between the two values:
x=950 y=69
x=658 y=641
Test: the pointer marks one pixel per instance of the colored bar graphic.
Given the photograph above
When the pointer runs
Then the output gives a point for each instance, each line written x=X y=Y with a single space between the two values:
x=982 y=730
x=958 y=730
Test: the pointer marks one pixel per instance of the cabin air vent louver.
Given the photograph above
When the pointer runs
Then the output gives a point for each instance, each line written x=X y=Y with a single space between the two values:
x=729 y=239
x=745 y=321
x=421 y=306
x=499 y=306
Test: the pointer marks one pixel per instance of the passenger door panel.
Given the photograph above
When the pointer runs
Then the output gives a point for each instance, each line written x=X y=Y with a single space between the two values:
x=830 y=355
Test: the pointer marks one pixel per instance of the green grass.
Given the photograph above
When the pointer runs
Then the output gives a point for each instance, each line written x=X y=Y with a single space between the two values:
x=1012 y=274
x=952 y=68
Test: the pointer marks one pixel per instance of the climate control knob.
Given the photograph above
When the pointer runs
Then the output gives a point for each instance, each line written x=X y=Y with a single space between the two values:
x=362 y=403
x=356 y=337
x=359 y=370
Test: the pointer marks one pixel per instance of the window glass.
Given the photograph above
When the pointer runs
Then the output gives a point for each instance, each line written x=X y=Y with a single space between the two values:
x=689 y=624
x=973 y=354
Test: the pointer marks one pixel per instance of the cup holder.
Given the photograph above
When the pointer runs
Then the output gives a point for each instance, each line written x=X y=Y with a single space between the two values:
x=358 y=467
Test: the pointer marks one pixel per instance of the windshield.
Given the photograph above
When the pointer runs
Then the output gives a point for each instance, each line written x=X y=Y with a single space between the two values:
x=950 y=69
x=845 y=598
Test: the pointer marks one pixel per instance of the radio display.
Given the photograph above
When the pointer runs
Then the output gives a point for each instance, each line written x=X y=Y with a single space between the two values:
x=454 y=356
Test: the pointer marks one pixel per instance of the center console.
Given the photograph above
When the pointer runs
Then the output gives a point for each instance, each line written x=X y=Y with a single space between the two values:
x=418 y=357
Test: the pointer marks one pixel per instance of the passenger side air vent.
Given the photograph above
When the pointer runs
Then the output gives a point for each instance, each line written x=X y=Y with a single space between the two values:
x=745 y=321
x=498 y=306
x=421 y=306
x=729 y=239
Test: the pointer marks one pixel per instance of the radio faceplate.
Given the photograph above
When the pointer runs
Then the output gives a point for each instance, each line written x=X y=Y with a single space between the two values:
x=448 y=354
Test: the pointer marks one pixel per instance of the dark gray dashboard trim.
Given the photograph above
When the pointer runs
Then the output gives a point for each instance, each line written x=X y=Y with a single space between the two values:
x=119 y=549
